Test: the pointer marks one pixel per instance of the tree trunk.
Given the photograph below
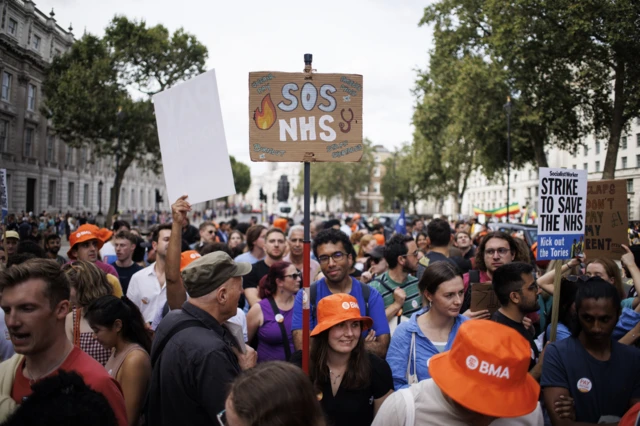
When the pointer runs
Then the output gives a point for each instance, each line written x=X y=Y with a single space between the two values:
x=115 y=191
x=617 y=122
x=538 y=140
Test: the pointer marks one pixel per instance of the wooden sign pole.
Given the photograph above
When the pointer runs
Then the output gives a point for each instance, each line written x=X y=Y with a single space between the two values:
x=556 y=301
x=308 y=58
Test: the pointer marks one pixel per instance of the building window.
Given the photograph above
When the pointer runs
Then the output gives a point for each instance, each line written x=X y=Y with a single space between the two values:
x=637 y=160
x=363 y=206
x=36 y=42
x=70 y=195
x=133 y=198
x=585 y=166
x=53 y=190
x=623 y=143
x=597 y=147
x=638 y=140
x=31 y=98
x=365 y=188
x=68 y=159
x=376 y=172
x=376 y=159
x=575 y=166
x=376 y=207
x=12 y=27
x=597 y=166
x=624 y=162
x=629 y=185
x=28 y=142
x=4 y=136
x=142 y=199
x=376 y=188
x=83 y=157
x=586 y=150
x=51 y=148
x=85 y=195
x=6 y=86
x=57 y=52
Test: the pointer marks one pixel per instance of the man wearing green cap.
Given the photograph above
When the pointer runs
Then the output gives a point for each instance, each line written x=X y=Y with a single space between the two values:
x=194 y=355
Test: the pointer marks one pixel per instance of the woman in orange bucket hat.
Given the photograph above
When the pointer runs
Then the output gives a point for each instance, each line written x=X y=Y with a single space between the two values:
x=352 y=383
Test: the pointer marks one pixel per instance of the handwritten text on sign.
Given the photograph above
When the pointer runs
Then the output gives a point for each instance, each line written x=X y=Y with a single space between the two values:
x=607 y=219
x=562 y=207
x=297 y=117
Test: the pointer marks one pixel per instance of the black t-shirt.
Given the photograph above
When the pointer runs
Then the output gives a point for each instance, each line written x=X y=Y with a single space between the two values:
x=354 y=407
x=125 y=274
x=520 y=328
x=252 y=279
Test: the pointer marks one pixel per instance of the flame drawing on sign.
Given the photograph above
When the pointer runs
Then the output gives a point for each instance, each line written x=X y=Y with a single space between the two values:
x=265 y=116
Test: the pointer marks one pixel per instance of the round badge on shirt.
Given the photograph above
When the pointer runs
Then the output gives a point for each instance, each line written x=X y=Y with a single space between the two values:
x=279 y=318
x=584 y=385
x=414 y=303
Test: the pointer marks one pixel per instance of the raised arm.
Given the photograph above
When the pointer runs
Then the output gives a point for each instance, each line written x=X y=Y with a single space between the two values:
x=176 y=294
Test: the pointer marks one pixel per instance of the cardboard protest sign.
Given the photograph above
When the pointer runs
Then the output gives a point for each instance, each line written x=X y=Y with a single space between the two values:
x=607 y=219
x=299 y=117
x=195 y=159
x=4 y=195
x=483 y=297
x=562 y=207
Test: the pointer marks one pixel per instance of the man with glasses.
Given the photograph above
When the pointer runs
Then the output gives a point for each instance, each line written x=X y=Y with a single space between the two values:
x=495 y=249
x=517 y=291
x=296 y=252
x=274 y=246
x=398 y=288
x=332 y=249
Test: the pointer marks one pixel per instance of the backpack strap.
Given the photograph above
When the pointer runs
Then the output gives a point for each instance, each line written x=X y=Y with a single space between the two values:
x=283 y=330
x=175 y=330
x=314 y=296
x=366 y=292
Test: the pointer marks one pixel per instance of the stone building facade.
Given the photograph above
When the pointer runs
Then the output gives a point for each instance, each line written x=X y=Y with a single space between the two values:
x=42 y=172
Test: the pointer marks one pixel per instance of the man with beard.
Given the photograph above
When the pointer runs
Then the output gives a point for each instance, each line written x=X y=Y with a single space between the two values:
x=333 y=250
x=397 y=287
x=517 y=291
x=52 y=246
x=274 y=247
x=296 y=251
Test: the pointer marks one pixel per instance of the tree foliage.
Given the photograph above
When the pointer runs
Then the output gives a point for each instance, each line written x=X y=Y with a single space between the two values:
x=87 y=86
x=241 y=175
x=344 y=180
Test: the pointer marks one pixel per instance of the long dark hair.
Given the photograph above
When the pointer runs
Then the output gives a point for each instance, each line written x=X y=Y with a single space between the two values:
x=107 y=309
x=267 y=285
x=358 y=373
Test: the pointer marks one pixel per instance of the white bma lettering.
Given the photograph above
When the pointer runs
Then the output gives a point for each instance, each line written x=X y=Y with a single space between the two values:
x=492 y=370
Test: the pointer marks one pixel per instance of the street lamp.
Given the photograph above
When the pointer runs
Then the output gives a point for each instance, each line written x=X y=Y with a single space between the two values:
x=100 y=185
x=507 y=108
x=119 y=116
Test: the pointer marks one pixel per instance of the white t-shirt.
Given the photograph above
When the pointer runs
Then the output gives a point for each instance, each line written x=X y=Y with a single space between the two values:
x=145 y=291
x=346 y=229
x=6 y=347
x=432 y=409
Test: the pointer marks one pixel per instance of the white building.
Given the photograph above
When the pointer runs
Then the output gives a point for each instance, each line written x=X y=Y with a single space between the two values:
x=524 y=182
x=42 y=172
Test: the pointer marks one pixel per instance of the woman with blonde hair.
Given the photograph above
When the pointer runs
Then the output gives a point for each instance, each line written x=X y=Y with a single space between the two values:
x=609 y=271
x=88 y=283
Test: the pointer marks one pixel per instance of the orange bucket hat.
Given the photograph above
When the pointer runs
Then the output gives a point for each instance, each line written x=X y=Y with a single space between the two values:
x=86 y=233
x=334 y=309
x=487 y=370
x=187 y=257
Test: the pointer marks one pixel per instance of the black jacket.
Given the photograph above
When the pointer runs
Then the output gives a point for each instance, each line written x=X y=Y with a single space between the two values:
x=191 y=377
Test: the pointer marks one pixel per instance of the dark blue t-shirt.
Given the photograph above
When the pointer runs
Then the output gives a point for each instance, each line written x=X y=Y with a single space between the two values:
x=376 y=307
x=599 y=388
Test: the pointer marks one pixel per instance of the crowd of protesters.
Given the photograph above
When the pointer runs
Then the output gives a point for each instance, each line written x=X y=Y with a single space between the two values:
x=203 y=326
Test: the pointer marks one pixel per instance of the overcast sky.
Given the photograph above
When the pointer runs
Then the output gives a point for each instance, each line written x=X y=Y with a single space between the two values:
x=379 y=39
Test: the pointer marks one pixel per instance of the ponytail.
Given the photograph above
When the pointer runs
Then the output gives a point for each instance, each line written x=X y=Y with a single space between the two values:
x=107 y=309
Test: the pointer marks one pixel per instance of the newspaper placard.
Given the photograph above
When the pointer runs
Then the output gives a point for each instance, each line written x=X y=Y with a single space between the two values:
x=295 y=117
x=562 y=207
x=607 y=219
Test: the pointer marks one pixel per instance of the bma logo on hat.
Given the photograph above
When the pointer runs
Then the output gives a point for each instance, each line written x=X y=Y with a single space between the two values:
x=80 y=234
x=349 y=305
x=194 y=255
x=487 y=368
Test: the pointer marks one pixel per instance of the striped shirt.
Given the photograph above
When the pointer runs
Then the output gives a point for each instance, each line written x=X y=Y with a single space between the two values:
x=385 y=286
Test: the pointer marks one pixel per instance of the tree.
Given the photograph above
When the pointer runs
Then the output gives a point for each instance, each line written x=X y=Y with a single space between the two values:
x=401 y=180
x=241 y=175
x=345 y=180
x=87 y=91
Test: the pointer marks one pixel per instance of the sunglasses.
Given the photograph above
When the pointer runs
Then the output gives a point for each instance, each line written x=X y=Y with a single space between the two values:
x=576 y=278
x=376 y=261
x=294 y=276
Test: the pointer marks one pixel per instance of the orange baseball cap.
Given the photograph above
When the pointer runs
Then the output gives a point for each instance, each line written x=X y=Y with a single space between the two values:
x=82 y=234
x=187 y=257
x=334 y=309
x=487 y=370
x=281 y=223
